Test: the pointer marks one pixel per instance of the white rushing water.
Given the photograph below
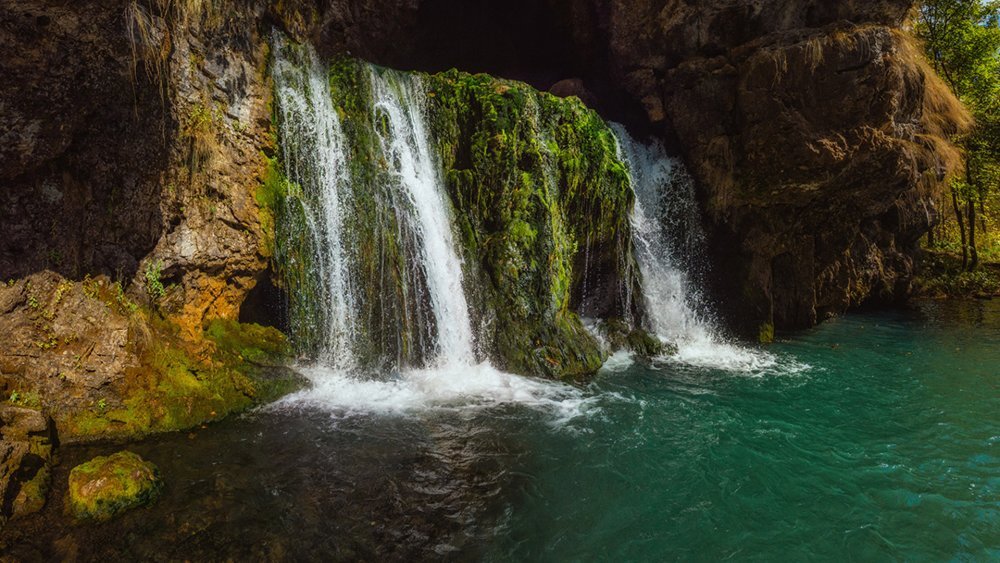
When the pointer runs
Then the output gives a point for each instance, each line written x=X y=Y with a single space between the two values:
x=408 y=150
x=316 y=160
x=316 y=152
x=669 y=242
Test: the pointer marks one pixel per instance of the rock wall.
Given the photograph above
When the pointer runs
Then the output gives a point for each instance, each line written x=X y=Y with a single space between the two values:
x=814 y=130
x=133 y=148
x=815 y=133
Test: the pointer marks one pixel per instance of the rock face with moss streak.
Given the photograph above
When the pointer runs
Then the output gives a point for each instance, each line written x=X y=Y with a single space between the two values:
x=107 y=486
x=815 y=132
x=26 y=442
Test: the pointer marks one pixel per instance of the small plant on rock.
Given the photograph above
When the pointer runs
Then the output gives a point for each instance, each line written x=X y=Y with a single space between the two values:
x=154 y=286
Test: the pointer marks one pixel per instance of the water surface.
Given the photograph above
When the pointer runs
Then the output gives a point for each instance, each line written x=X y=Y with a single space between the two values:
x=887 y=446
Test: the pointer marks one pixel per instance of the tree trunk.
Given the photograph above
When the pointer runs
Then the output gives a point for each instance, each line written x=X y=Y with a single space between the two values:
x=973 y=253
x=982 y=214
x=961 y=227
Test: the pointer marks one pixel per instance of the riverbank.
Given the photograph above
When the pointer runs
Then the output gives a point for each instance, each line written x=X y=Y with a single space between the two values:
x=941 y=277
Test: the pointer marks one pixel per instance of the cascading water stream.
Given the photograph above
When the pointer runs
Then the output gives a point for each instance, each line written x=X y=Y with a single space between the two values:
x=315 y=160
x=412 y=265
x=669 y=245
x=405 y=143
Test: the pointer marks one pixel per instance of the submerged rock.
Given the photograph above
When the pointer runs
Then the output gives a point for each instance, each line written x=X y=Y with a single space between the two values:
x=620 y=336
x=106 y=486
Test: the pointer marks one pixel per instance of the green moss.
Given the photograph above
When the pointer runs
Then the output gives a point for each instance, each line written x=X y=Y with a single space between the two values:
x=621 y=336
x=539 y=182
x=31 y=497
x=271 y=197
x=106 y=486
x=766 y=333
x=176 y=388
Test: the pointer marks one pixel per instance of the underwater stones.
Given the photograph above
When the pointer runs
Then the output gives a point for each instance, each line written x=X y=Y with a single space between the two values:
x=25 y=457
x=107 y=486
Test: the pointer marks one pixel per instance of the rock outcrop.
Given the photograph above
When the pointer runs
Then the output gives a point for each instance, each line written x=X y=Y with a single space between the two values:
x=814 y=130
x=129 y=227
x=816 y=135
x=26 y=442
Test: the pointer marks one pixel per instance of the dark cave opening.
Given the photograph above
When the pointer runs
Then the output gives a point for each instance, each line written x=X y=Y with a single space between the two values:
x=266 y=304
x=524 y=40
x=543 y=43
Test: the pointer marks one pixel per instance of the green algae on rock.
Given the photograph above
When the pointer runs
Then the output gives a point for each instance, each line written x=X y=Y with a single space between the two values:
x=106 y=486
x=545 y=200
x=541 y=200
x=180 y=385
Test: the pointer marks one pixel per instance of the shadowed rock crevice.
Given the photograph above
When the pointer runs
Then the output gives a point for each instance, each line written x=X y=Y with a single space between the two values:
x=78 y=197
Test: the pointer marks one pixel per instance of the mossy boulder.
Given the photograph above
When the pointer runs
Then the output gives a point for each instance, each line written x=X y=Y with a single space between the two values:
x=545 y=201
x=107 y=486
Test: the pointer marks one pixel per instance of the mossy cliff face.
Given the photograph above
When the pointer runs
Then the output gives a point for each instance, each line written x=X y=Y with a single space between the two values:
x=102 y=366
x=137 y=142
x=539 y=201
x=543 y=204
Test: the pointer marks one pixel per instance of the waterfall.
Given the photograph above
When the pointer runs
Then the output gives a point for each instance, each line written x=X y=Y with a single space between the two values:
x=669 y=245
x=314 y=154
x=374 y=276
x=405 y=142
x=417 y=271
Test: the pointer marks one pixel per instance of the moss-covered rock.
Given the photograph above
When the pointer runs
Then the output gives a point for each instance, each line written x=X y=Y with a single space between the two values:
x=106 y=486
x=620 y=336
x=544 y=201
x=541 y=202
x=182 y=384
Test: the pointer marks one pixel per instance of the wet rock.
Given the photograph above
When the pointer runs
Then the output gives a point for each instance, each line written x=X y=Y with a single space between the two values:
x=620 y=336
x=107 y=486
x=574 y=87
x=26 y=442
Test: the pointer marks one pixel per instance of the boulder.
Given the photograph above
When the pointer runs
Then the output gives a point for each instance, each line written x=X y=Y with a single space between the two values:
x=107 y=486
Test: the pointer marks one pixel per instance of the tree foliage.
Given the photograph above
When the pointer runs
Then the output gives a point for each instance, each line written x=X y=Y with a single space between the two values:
x=962 y=42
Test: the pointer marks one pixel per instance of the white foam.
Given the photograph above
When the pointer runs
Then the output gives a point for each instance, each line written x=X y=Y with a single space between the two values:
x=416 y=391
x=619 y=362
x=735 y=359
